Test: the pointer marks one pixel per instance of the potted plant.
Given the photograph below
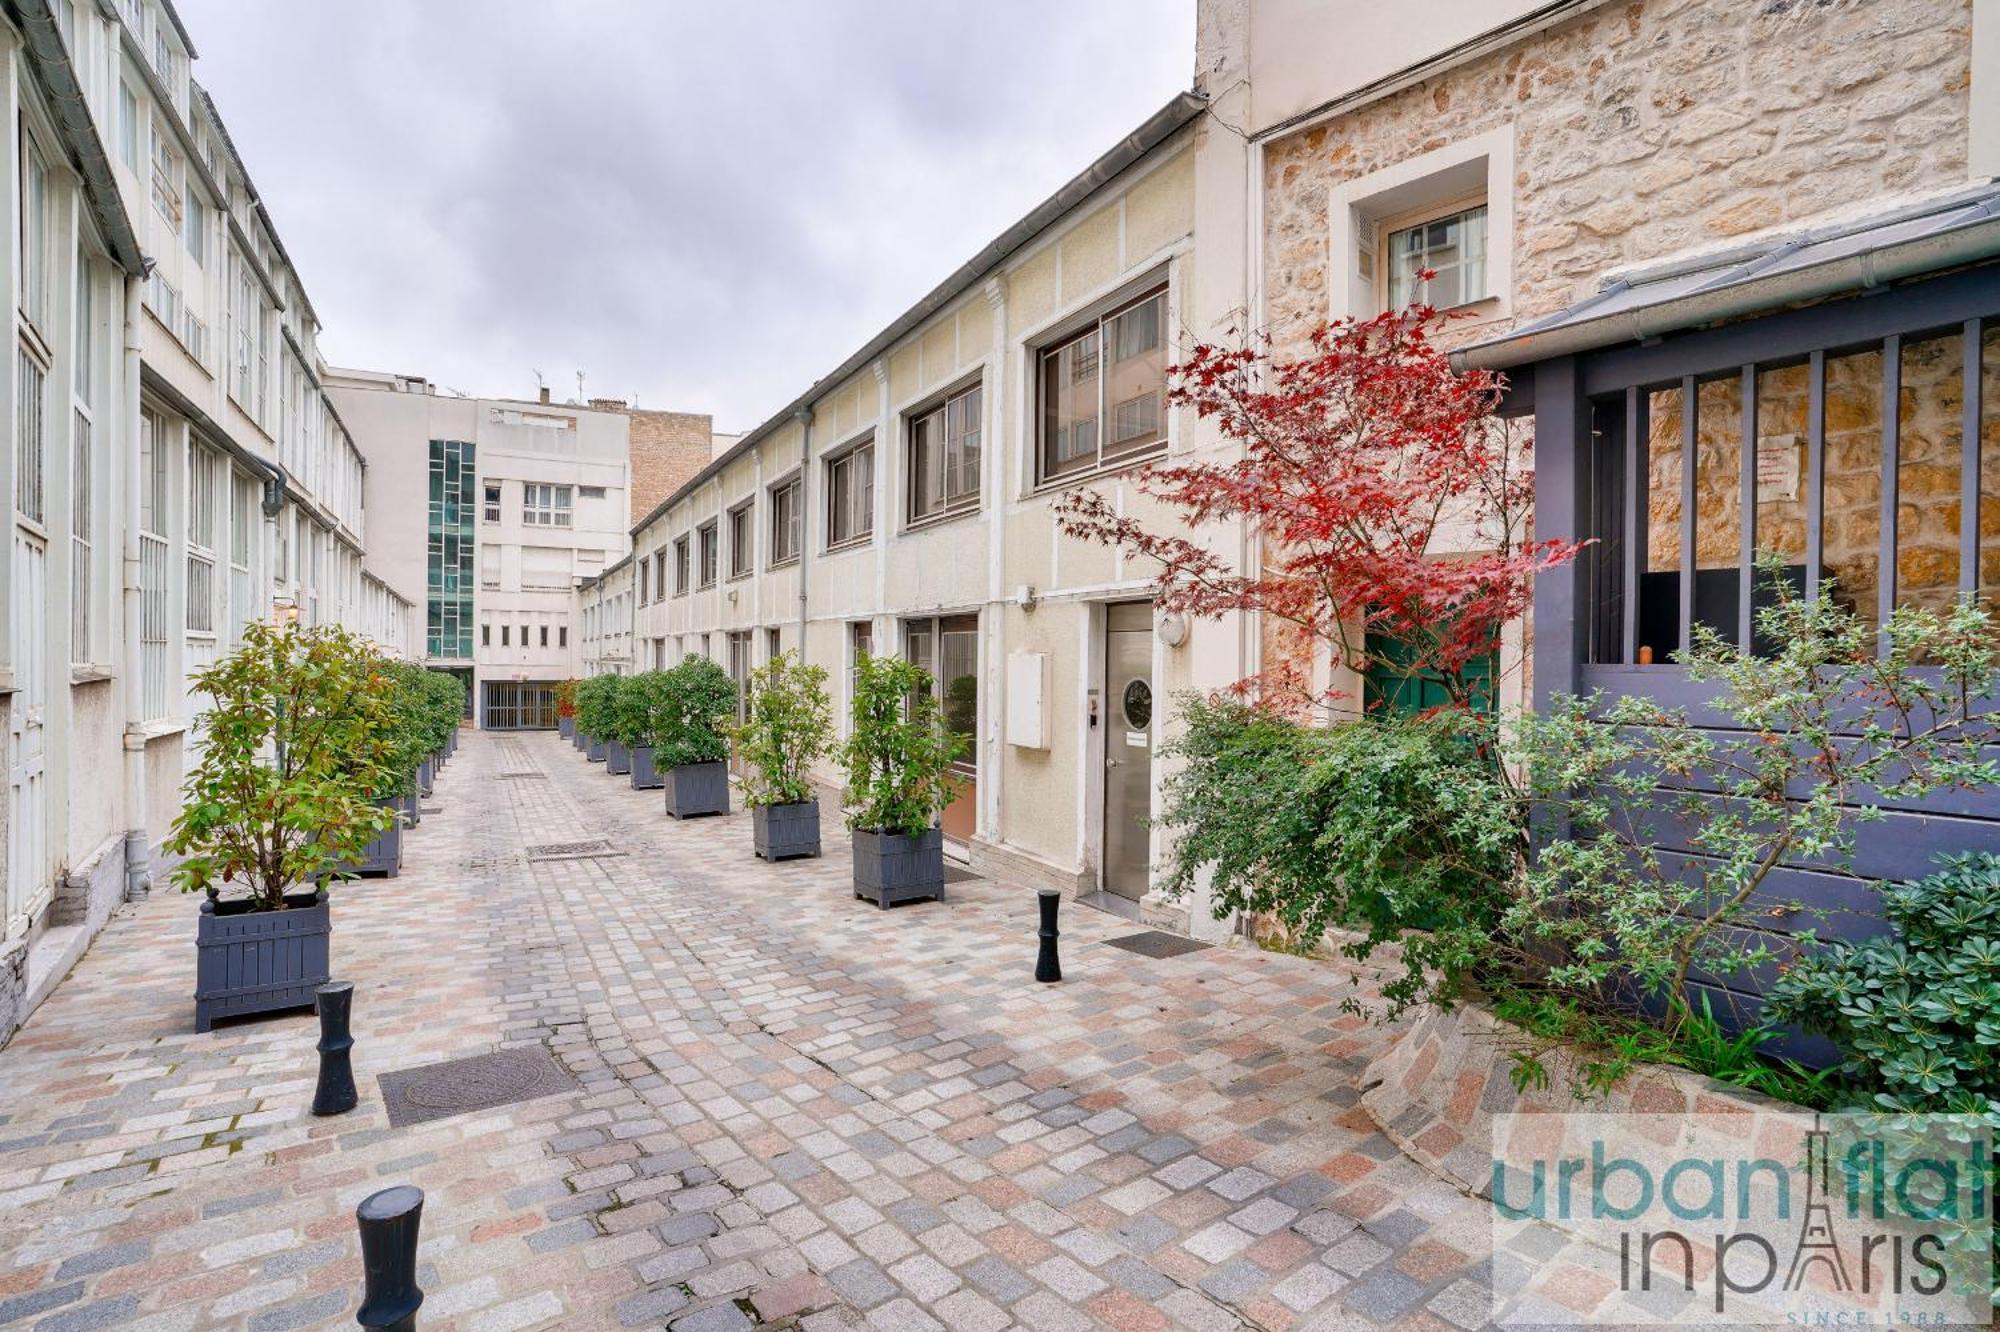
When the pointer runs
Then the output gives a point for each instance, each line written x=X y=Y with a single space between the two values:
x=593 y=714
x=408 y=739
x=282 y=798
x=698 y=700
x=643 y=696
x=898 y=759
x=619 y=729
x=566 y=709
x=788 y=729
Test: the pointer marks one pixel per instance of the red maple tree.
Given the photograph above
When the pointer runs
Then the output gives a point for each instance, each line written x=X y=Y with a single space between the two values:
x=1391 y=500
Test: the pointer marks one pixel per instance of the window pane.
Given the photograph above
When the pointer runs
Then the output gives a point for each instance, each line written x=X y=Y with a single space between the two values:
x=926 y=465
x=1069 y=406
x=1138 y=375
x=1454 y=246
x=961 y=479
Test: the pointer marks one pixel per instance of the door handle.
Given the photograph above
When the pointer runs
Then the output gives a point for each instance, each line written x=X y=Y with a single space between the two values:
x=1112 y=763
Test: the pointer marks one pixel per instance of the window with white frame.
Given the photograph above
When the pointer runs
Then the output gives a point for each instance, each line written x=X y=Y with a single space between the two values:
x=786 y=522
x=944 y=457
x=683 y=566
x=197 y=227
x=546 y=505
x=83 y=473
x=155 y=601
x=1450 y=246
x=659 y=575
x=1449 y=210
x=128 y=127
x=34 y=241
x=242 y=548
x=708 y=557
x=850 y=496
x=492 y=510
x=166 y=178
x=205 y=472
x=30 y=437
x=1103 y=390
x=742 y=539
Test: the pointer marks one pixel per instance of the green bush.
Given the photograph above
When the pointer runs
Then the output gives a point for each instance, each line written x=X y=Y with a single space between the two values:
x=629 y=719
x=1916 y=1012
x=409 y=703
x=898 y=755
x=690 y=720
x=296 y=746
x=1396 y=828
x=789 y=728
x=593 y=705
x=444 y=698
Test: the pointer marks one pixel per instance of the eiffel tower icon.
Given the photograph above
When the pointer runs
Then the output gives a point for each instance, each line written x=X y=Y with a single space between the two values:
x=1816 y=1242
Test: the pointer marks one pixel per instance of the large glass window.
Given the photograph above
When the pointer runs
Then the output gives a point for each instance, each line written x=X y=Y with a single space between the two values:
x=944 y=456
x=742 y=552
x=850 y=495
x=948 y=648
x=682 y=567
x=451 y=550
x=545 y=505
x=785 y=523
x=34 y=234
x=706 y=540
x=1453 y=246
x=1103 y=390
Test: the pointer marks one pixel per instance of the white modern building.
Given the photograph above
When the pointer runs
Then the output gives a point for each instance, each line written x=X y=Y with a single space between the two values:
x=486 y=512
x=174 y=471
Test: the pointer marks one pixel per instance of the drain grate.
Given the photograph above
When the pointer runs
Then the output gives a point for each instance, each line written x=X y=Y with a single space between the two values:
x=1157 y=943
x=571 y=850
x=519 y=776
x=478 y=1082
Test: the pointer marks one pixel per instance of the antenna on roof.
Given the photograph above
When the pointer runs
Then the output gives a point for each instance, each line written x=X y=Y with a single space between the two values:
x=579 y=388
x=540 y=383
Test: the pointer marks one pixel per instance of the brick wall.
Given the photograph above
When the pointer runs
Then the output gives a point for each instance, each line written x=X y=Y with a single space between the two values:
x=1650 y=127
x=667 y=449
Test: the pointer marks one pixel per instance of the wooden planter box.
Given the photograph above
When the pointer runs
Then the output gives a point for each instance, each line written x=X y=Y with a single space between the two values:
x=410 y=806
x=617 y=757
x=566 y=727
x=645 y=777
x=896 y=867
x=697 y=788
x=594 y=749
x=384 y=855
x=426 y=774
x=260 y=961
x=782 y=832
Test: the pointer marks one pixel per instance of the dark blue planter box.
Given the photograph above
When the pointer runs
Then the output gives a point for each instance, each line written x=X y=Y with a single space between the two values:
x=566 y=727
x=595 y=750
x=781 y=832
x=413 y=814
x=617 y=758
x=384 y=855
x=260 y=961
x=425 y=776
x=697 y=788
x=895 y=867
x=645 y=777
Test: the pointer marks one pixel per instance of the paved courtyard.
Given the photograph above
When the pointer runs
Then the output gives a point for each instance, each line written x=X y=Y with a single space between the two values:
x=790 y=1108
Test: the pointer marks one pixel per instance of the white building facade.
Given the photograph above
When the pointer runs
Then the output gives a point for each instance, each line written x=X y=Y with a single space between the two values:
x=175 y=470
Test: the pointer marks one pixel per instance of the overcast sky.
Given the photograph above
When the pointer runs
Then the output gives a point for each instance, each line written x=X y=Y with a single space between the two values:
x=707 y=204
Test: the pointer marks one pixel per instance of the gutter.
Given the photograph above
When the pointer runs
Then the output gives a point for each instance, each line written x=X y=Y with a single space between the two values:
x=1126 y=153
x=49 y=59
x=275 y=482
x=1975 y=240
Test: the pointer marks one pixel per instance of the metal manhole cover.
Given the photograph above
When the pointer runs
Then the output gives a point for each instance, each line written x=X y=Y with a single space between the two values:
x=516 y=776
x=478 y=1082
x=566 y=850
x=1157 y=943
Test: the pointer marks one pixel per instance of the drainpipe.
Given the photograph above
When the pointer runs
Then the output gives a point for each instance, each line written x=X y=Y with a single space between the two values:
x=138 y=872
x=804 y=417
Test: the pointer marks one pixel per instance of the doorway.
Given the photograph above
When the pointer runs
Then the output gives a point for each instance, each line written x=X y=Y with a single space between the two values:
x=1128 y=747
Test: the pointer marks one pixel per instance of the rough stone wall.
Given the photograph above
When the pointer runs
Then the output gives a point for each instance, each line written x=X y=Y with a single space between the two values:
x=1927 y=474
x=1646 y=128
x=667 y=449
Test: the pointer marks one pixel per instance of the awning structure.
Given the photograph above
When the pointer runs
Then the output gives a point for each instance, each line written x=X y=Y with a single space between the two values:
x=1785 y=268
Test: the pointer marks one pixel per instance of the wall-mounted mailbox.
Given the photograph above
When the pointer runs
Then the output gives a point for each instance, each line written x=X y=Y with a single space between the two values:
x=1028 y=700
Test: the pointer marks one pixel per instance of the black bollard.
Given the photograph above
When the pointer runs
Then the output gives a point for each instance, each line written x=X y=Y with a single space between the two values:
x=335 y=1094
x=1047 y=966
x=389 y=1222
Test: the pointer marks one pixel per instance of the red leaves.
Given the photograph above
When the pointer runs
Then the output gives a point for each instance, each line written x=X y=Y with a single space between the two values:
x=1390 y=500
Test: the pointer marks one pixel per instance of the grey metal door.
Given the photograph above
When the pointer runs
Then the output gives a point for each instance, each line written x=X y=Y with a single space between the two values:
x=1128 y=746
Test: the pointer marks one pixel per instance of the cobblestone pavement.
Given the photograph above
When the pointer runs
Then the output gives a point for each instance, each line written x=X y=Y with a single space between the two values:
x=791 y=1107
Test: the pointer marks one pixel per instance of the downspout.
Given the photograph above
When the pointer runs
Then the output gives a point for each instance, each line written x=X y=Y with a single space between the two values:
x=804 y=416
x=138 y=870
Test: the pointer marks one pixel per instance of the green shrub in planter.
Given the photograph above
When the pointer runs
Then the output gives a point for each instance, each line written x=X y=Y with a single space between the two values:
x=689 y=724
x=296 y=746
x=593 y=709
x=788 y=729
x=898 y=759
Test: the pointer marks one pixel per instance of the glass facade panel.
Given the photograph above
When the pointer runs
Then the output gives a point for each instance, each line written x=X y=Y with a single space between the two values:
x=451 y=549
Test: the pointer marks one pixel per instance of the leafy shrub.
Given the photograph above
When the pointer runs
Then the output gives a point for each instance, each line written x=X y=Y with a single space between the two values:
x=1386 y=826
x=689 y=722
x=898 y=755
x=789 y=728
x=296 y=745
x=633 y=700
x=593 y=705
x=565 y=692
x=444 y=699
x=1916 y=1012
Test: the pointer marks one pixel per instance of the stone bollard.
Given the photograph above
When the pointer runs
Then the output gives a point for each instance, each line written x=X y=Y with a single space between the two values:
x=1047 y=966
x=389 y=1221
x=335 y=1094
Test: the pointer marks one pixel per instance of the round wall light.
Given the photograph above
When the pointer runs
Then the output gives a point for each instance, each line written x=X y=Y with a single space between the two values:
x=1172 y=628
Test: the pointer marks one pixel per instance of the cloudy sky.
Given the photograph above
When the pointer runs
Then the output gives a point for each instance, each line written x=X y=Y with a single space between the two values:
x=705 y=204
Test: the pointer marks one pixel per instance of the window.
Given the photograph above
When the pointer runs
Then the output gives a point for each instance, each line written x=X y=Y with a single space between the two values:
x=1453 y=245
x=850 y=495
x=489 y=566
x=860 y=645
x=682 y=568
x=83 y=578
x=492 y=511
x=128 y=127
x=204 y=472
x=785 y=523
x=154 y=599
x=590 y=492
x=486 y=635
x=450 y=552
x=659 y=575
x=739 y=670
x=773 y=645
x=742 y=555
x=545 y=635
x=944 y=457
x=545 y=505
x=34 y=234
x=645 y=570
x=166 y=179
x=30 y=438
x=1114 y=371
x=708 y=539
x=562 y=635
x=197 y=227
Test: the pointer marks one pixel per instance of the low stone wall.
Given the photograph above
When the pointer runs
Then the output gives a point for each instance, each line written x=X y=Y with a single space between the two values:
x=1435 y=1092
